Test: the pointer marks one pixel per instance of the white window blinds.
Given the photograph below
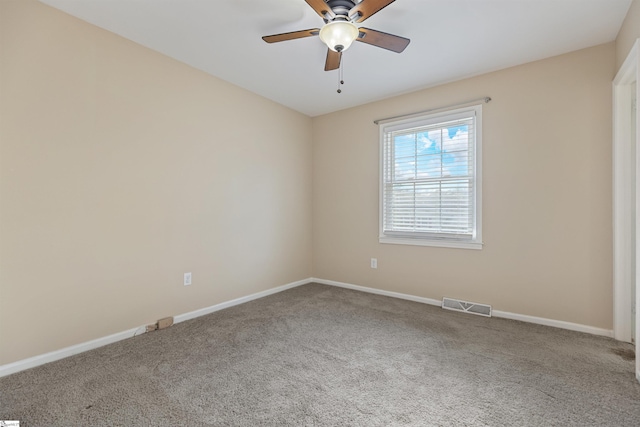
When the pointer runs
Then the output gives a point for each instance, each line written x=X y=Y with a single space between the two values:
x=429 y=187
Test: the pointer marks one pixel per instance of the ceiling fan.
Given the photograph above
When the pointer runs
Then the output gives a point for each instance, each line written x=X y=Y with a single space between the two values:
x=340 y=29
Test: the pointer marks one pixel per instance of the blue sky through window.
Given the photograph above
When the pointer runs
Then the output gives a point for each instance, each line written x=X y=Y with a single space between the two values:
x=432 y=154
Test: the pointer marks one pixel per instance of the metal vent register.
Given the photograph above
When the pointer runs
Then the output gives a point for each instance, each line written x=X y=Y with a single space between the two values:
x=466 y=307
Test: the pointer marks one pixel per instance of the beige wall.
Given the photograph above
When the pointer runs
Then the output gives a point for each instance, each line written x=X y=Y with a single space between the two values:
x=120 y=170
x=628 y=34
x=546 y=194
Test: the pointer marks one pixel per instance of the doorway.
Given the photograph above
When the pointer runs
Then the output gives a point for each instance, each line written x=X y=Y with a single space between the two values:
x=626 y=196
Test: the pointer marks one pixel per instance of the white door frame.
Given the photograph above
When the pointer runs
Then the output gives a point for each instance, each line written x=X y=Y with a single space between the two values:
x=623 y=219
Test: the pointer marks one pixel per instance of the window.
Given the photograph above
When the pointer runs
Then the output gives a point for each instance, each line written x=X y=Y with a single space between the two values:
x=430 y=190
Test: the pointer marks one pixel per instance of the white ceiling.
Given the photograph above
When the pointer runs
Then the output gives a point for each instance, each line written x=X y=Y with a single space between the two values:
x=450 y=40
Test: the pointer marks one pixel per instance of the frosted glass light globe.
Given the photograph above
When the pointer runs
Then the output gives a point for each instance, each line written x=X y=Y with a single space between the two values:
x=338 y=35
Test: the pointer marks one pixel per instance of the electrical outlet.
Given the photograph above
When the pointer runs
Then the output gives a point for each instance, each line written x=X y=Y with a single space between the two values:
x=374 y=262
x=187 y=279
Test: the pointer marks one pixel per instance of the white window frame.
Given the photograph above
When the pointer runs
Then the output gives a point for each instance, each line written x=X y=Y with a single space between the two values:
x=440 y=240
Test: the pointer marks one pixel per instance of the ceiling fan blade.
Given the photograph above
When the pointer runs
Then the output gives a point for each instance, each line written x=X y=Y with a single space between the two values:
x=291 y=36
x=367 y=8
x=333 y=60
x=383 y=40
x=321 y=8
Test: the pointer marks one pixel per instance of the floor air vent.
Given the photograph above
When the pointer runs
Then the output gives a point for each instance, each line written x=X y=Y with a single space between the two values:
x=466 y=307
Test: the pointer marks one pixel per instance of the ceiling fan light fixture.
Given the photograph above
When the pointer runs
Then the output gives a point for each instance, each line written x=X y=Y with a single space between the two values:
x=338 y=35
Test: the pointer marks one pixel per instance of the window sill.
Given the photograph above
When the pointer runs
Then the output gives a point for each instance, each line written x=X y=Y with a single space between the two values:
x=431 y=242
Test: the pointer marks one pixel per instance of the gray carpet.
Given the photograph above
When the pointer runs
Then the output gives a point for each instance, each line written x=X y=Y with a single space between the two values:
x=318 y=355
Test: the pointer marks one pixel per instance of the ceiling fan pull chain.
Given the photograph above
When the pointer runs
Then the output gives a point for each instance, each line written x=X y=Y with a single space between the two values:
x=340 y=79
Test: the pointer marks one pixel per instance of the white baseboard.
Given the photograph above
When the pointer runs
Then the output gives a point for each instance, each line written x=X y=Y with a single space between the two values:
x=496 y=313
x=32 y=362
x=555 y=323
x=378 y=291
x=208 y=310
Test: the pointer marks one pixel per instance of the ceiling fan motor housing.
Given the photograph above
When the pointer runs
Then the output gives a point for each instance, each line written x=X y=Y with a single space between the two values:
x=341 y=8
